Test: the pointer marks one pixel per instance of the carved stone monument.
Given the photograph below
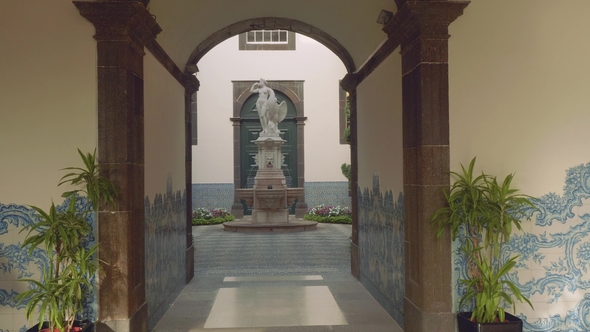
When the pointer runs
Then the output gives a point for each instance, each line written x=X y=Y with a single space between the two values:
x=269 y=197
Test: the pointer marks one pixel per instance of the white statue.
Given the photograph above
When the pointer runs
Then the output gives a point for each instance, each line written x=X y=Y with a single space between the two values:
x=269 y=111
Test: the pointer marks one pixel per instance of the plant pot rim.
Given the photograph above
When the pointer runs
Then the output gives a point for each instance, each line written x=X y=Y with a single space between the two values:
x=508 y=319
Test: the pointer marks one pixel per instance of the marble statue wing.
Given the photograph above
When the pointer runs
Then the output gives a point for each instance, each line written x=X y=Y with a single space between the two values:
x=282 y=111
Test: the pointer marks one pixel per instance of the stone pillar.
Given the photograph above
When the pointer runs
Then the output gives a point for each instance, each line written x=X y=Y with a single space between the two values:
x=301 y=206
x=349 y=84
x=191 y=85
x=237 y=209
x=422 y=29
x=122 y=29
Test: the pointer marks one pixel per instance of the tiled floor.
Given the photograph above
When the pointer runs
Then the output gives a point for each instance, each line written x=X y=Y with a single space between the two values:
x=262 y=297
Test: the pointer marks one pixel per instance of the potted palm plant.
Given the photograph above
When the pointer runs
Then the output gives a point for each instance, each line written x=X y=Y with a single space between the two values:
x=67 y=280
x=482 y=213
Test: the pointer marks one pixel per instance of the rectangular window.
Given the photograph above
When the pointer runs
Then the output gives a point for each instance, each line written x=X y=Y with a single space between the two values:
x=267 y=37
x=267 y=40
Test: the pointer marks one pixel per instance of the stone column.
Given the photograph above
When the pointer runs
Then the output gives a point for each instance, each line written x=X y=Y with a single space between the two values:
x=422 y=29
x=122 y=29
x=349 y=84
x=237 y=209
x=191 y=85
x=301 y=206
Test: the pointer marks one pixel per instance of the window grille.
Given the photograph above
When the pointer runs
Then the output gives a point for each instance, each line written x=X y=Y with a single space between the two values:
x=267 y=37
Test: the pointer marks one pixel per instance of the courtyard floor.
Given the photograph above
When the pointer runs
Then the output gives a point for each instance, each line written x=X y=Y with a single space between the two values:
x=267 y=282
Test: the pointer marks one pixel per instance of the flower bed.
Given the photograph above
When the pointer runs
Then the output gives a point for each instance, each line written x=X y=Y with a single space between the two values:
x=203 y=216
x=329 y=214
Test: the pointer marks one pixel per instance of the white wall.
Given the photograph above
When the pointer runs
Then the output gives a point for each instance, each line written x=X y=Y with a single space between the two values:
x=519 y=101
x=312 y=62
x=379 y=112
x=164 y=129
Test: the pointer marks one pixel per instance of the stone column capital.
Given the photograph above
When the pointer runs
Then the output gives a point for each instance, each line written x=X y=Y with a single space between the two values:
x=423 y=18
x=191 y=83
x=349 y=82
x=127 y=21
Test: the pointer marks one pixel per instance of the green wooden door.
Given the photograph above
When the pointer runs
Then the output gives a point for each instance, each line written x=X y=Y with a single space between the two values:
x=250 y=129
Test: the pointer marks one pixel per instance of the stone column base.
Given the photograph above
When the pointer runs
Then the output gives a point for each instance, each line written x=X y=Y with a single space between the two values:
x=137 y=322
x=415 y=320
x=237 y=210
x=300 y=209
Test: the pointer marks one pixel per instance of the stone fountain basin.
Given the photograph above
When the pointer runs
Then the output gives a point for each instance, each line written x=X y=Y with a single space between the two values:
x=293 y=194
x=247 y=195
x=270 y=194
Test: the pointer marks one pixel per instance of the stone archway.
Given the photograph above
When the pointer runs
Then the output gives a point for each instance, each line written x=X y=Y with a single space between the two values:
x=270 y=23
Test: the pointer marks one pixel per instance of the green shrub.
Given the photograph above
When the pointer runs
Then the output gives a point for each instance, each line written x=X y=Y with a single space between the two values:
x=203 y=216
x=329 y=214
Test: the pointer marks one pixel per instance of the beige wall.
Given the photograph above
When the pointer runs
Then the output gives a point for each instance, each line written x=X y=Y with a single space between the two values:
x=47 y=111
x=519 y=101
x=164 y=129
x=47 y=97
x=313 y=63
x=379 y=108
x=519 y=97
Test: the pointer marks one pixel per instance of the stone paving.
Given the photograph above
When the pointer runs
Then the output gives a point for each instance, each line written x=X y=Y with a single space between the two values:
x=274 y=282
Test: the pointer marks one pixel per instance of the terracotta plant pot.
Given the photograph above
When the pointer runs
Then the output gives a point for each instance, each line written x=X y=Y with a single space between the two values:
x=512 y=324
x=83 y=326
x=74 y=329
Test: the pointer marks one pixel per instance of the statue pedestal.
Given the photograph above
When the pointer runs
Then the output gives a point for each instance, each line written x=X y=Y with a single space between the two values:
x=270 y=197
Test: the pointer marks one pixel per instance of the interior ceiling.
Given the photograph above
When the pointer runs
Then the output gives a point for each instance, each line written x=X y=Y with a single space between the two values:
x=187 y=23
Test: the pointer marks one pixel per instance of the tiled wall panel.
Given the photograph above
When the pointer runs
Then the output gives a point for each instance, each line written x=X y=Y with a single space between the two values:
x=165 y=220
x=381 y=247
x=16 y=263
